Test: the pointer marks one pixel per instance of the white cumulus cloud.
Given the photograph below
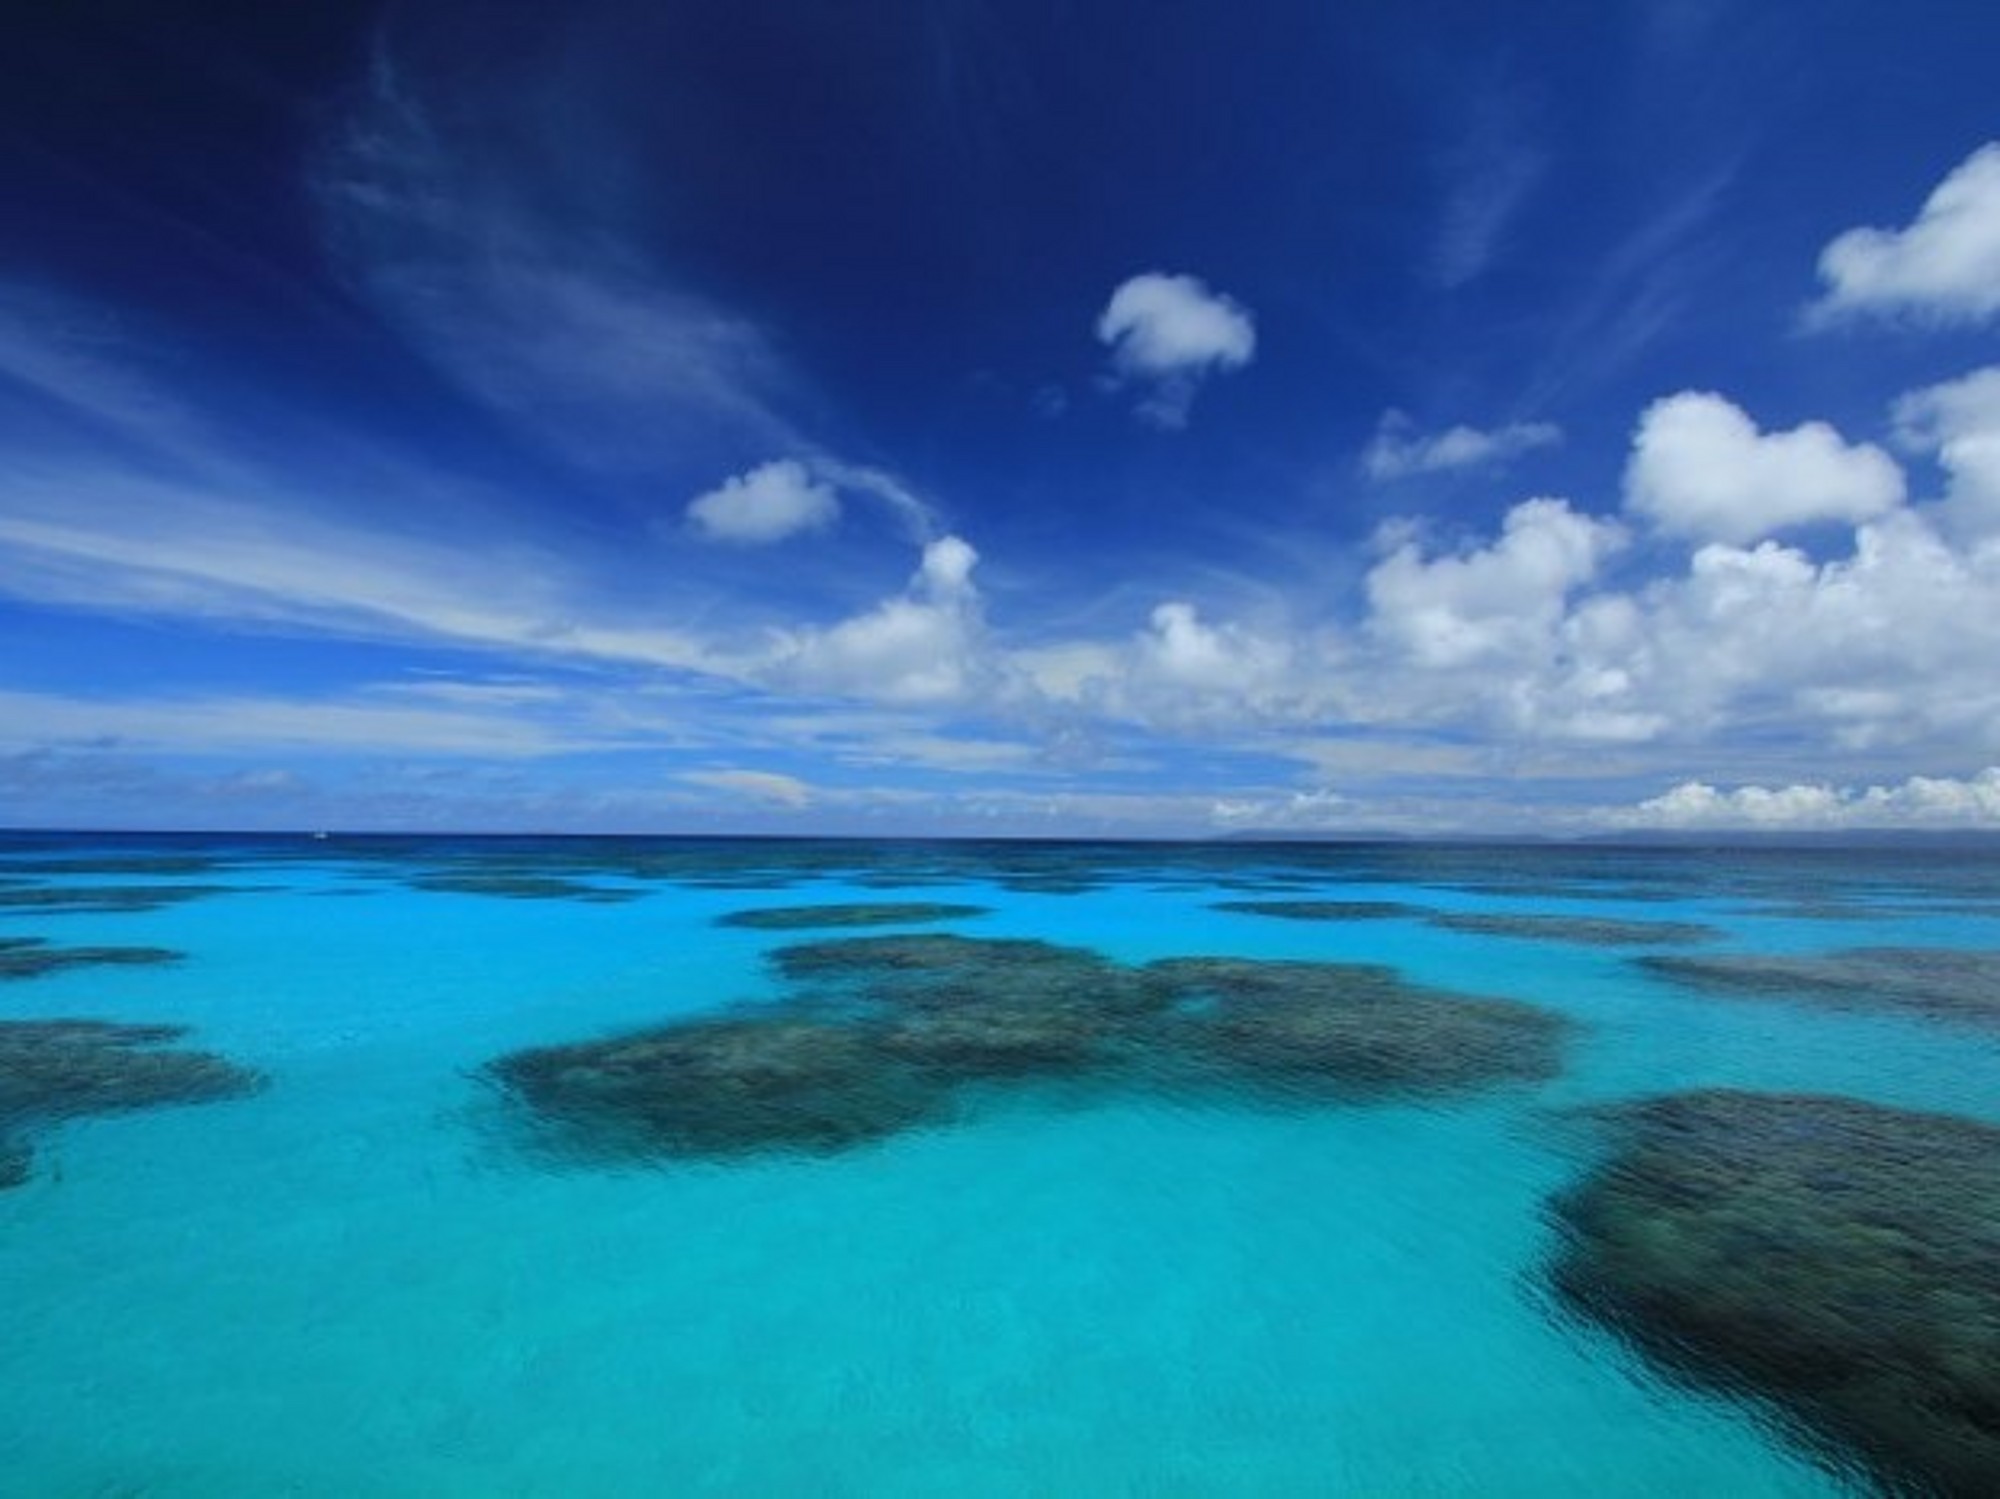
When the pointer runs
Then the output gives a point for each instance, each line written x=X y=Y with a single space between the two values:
x=1919 y=802
x=1959 y=421
x=769 y=503
x=1701 y=470
x=1399 y=450
x=924 y=645
x=1497 y=603
x=1168 y=333
x=1943 y=268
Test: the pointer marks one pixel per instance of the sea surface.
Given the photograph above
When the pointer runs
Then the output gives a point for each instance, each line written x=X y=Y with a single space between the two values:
x=366 y=1278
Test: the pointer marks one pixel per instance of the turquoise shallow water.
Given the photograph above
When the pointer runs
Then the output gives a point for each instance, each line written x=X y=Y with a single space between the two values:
x=356 y=1283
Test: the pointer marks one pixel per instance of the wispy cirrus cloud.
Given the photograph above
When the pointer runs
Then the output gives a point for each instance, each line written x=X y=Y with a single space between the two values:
x=1399 y=449
x=566 y=326
x=1489 y=173
x=373 y=722
x=771 y=788
x=123 y=545
x=75 y=362
x=1635 y=290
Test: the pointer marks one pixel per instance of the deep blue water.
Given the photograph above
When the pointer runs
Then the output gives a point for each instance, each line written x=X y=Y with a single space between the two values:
x=356 y=1281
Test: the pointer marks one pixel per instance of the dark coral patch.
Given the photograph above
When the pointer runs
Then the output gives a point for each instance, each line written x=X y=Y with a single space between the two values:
x=1322 y=910
x=922 y=973
x=1836 y=1261
x=977 y=1039
x=1590 y=931
x=721 y=1087
x=524 y=887
x=914 y=967
x=104 y=899
x=31 y=957
x=51 y=1070
x=870 y=913
x=134 y=864
x=17 y=1163
x=973 y=1007
x=1939 y=983
x=1352 y=1028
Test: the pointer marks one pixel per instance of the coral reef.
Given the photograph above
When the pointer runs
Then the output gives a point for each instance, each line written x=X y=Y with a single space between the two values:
x=31 y=957
x=1352 y=1028
x=103 y=900
x=1321 y=910
x=52 y=1070
x=874 y=913
x=1836 y=1261
x=1591 y=931
x=509 y=886
x=972 y=1007
x=721 y=1087
x=114 y=864
x=1939 y=983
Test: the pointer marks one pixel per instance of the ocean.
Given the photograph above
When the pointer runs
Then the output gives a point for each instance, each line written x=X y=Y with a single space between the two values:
x=1018 y=1205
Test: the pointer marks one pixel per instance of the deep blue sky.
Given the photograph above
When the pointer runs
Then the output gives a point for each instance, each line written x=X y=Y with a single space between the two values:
x=1039 y=417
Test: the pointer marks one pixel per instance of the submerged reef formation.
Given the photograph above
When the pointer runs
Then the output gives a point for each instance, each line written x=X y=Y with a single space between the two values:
x=52 y=1070
x=968 y=1008
x=31 y=957
x=1352 y=1028
x=1589 y=931
x=103 y=900
x=114 y=864
x=720 y=1087
x=889 y=1032
x=862 y=913
x=1835 y=1261
x=1939 y=983
x=512 y=886
x=1321 y=910
x=929 y=969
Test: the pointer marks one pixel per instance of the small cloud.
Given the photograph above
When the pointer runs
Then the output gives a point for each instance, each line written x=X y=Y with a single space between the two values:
x=1399 y=450
x=769 y=503
x=946 y=570
x=1700 y=469
x=757 y=785
x=1167 y=334
x=1943 y=268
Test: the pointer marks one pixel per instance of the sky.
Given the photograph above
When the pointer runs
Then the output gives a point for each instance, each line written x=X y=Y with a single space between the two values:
x=1000 y=417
